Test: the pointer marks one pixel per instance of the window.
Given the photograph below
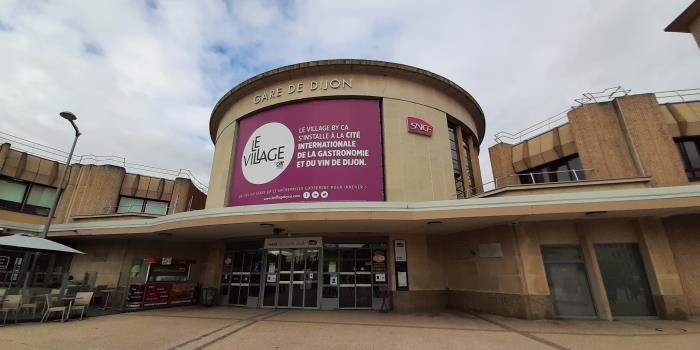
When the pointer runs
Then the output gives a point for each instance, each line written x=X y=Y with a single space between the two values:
x=140 y=205
x=26 y=197
x=690 y=154
x=457 y=161
x=562 y=170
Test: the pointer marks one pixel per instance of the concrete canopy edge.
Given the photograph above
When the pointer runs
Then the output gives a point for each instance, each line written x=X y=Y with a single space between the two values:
x=614 y=200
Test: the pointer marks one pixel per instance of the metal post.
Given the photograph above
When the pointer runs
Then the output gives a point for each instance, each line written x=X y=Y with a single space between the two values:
x=60 y=183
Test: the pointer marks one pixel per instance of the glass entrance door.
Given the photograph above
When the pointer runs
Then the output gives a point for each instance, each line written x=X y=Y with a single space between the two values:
x=292 y=278
x=625 y=280
x=355 y=277
x=242 y=277
x=568 y=282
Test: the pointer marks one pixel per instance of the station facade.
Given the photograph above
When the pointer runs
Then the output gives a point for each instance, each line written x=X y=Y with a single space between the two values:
x=353 y=184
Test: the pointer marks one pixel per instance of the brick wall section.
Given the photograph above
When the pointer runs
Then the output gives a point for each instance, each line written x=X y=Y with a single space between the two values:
x=644 y=124
x=601 y=142
x=502 y=164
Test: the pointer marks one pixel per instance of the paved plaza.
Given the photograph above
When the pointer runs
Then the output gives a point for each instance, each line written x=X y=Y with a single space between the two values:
x=197 y=327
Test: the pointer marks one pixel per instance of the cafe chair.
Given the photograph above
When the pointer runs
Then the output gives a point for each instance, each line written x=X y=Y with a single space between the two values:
x=51 y=306
x=11 y=303
x=82 y=301
x=26 y=302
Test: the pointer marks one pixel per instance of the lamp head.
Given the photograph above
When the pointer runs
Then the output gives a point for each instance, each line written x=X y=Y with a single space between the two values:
x=68 y=116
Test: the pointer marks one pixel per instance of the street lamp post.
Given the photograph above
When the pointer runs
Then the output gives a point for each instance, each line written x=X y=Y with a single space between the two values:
x=71 y=118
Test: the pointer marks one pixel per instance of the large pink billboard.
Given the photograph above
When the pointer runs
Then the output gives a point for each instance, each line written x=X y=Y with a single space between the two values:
x=316 y=151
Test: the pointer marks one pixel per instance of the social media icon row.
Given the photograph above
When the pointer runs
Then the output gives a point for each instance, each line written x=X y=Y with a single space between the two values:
x=315 y=194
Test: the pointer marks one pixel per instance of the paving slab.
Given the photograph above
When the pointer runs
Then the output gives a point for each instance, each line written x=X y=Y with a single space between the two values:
x=107 y=332
x=200 y=328
x=440 y=320
x=287 y=335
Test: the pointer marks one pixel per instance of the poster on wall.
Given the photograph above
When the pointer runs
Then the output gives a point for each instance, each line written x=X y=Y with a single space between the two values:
x=316 y=151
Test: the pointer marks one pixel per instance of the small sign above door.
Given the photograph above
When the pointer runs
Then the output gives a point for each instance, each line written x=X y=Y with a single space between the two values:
x=293 y=242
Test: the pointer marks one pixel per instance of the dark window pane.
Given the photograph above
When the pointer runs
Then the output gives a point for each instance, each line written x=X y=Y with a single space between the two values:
x=347 y=297
x=625 y=280
x=311 y=295
x=693 y=153
x=347 y=260
x=130 y=205
x=330 y=292
x=12 y=191
x=41 y=196
x=562 y=173
x=561 y=253
x=364 y=297
x=347 y=279
x=156 y=207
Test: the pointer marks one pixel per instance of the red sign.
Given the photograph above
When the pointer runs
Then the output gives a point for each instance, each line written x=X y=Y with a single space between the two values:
x=157 y=294
x=419 y=126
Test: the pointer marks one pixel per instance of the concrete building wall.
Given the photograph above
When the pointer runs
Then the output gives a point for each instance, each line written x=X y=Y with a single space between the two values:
x=631 y=136
x=416 y=168
x=427 y=277
x=601 y=142
x=515 y=283
x=651 y=142
x=404 y=91
x=684 y=239
x=91 y=192
x=112 y=258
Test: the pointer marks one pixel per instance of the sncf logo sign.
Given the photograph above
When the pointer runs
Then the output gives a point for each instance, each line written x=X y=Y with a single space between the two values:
x=419 y=126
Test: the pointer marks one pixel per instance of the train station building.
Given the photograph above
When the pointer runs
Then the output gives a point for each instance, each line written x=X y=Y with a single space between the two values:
x=354 y=184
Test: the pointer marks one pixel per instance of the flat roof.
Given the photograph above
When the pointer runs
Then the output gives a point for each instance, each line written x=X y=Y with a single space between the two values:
x=682 y=23
x=478 y=112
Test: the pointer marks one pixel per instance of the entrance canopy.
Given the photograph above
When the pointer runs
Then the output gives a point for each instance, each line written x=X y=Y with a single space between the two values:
x=23 y=240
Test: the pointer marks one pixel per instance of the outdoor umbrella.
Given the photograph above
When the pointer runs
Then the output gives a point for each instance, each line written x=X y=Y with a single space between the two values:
x=24 y=240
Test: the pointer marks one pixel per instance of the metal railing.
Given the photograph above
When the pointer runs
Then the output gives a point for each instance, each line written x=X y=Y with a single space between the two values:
x=573 y=175
x=677 y=96
x=607 y=95
x=554 y=121
x=57 y=155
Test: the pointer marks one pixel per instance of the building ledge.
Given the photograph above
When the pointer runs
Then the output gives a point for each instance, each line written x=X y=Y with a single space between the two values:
x=569 y=186
x=116 y=216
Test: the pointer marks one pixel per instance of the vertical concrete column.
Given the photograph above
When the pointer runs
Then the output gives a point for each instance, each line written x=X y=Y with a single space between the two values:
x=215 y=258
x=222 y=164
x=476 y=168
x=501 y=156
x=661 y=269
x=595 y=279
x=537 y=296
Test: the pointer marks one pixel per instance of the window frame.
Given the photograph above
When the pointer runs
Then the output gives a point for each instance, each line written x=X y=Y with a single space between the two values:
x=144 y=205
x=693 y=174
x=465 y=184
x=549 y=173
x=24 y=206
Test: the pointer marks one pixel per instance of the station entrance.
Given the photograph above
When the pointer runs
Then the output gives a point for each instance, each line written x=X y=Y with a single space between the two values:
x=304 y=273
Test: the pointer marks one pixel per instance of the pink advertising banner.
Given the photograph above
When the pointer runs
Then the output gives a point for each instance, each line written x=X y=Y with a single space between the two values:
x=316 y=151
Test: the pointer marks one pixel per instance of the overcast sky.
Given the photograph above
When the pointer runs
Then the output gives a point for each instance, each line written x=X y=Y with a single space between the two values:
x=143 y=76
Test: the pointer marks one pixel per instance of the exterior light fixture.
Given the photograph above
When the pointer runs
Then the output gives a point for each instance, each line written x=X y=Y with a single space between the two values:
x=70 y=117
x=266 y=225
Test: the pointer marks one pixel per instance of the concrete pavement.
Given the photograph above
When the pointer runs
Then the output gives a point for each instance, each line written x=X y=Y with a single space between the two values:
x=237 y=328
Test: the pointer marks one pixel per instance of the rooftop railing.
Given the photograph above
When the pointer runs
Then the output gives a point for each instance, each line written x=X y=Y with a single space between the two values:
x=57 y=155
x=607 y=95
x=534 y=178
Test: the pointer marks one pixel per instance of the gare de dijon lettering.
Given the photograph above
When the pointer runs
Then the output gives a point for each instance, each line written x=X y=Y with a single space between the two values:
x=314 y=85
